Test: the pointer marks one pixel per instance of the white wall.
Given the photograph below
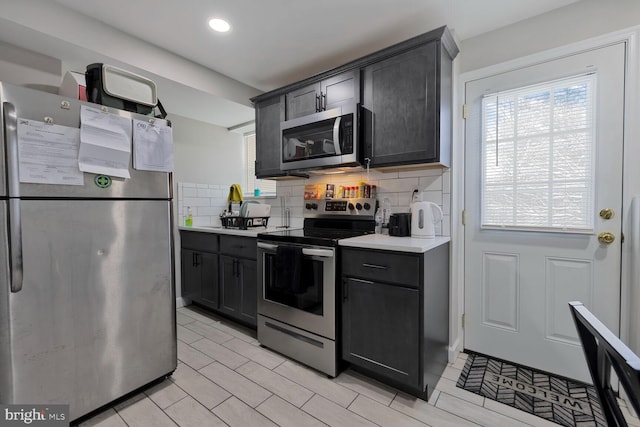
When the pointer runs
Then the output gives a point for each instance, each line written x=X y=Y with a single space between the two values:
x=206 y=154
x=575 y=22
x=26 y=68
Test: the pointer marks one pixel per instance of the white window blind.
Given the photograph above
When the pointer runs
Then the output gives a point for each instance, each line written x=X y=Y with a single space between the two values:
x=266 y=186
x=538 y=157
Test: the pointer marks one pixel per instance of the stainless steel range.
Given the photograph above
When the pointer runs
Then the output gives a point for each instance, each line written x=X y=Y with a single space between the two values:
x=297 y=277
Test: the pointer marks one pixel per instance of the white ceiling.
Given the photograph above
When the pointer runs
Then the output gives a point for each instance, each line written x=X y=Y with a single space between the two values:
x=272 y=42
x=276 y=42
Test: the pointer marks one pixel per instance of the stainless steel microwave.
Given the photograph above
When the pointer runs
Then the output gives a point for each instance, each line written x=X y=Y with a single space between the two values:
x=321 y=140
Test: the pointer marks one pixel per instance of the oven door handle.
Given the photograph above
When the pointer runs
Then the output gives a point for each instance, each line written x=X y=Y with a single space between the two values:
x=267 y=246
x=324 y=253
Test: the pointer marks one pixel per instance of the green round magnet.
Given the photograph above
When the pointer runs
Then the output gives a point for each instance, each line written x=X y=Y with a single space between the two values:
x=102 y=181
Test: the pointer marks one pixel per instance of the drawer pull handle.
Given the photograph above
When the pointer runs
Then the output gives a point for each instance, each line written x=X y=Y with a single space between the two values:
x=379 y=267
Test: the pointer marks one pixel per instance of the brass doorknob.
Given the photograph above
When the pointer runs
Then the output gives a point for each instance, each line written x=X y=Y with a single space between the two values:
x=607 y=213
x=606 y=237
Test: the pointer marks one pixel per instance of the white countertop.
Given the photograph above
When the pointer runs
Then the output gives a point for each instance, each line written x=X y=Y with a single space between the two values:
x=369 y=241
x=250 y=232
x=393 y=243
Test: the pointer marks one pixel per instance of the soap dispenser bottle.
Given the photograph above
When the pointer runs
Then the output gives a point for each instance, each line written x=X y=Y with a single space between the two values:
x=188 y=220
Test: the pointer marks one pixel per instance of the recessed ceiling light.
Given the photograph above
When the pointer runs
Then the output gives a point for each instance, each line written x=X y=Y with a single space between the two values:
x=219 y=25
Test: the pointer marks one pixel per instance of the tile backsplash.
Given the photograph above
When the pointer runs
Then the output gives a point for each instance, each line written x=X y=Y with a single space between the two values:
x=395 y=186
x=207 y=201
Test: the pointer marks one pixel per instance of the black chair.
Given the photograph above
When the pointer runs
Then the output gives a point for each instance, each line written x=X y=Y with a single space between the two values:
x=603 y=350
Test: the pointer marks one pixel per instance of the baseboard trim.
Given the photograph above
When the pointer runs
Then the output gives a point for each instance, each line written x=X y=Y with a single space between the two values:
x=182 y=302
x=453 y=350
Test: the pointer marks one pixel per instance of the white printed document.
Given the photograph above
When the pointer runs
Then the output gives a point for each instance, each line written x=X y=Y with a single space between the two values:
x=48 y=154
x=152 y=147
x=105 y=143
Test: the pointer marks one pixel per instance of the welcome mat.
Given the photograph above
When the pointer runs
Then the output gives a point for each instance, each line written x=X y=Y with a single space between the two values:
x=556 y=399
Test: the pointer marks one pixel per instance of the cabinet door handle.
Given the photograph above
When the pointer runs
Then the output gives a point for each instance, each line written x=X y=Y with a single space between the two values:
x=318 y=103
x=368 y=282
x=345 y=290
x=379 y=267
x=323 y=101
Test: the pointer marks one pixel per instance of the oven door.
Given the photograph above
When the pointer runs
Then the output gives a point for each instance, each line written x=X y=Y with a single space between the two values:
x=324 y=139
x=312 y=305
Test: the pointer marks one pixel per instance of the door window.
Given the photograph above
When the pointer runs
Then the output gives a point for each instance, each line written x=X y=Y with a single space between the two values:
x=538 y=157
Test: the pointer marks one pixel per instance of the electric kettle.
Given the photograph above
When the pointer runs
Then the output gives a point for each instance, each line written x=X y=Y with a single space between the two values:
x=424 y=216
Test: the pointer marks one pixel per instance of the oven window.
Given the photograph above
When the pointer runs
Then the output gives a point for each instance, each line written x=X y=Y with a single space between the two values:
x=306 y=296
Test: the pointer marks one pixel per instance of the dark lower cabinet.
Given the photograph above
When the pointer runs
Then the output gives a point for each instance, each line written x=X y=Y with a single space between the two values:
x=238 y=291
x=395 y=316
x=191 y=283
x=239 y=278
x=209 y=279
x=381 y=329
x=219 y=272
x=200 y=268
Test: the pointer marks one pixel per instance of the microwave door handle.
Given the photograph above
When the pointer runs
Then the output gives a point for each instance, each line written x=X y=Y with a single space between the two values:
x=336 y=136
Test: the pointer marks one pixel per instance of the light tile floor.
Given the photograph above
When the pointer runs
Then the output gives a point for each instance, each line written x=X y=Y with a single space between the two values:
x=225 y=378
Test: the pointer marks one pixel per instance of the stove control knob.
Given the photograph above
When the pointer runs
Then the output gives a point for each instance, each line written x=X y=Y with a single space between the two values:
x=351 y=207
x=308 y=206
x=358 y=206
x=367 y=206
x=314 y=206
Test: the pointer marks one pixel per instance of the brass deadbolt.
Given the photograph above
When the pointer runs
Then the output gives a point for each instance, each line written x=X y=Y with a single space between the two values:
x=607 y=213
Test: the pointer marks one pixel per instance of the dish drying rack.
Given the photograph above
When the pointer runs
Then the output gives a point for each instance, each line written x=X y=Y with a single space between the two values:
x=243 y=223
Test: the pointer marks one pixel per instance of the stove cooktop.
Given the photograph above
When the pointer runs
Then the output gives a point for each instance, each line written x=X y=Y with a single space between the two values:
x=321 y=232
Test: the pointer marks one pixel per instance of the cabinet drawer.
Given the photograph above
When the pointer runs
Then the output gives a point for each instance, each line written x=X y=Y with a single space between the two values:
x=206 y=242
x=244 y=247
x=388 y=267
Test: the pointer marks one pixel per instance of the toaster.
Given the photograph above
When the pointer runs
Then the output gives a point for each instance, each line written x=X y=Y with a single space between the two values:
x=400 y=224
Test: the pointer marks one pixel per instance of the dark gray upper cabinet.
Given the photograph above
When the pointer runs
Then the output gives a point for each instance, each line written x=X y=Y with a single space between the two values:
x=400 y=108
x=405 y=92
x=269 y=114
x=304 y=101
x=323 y=95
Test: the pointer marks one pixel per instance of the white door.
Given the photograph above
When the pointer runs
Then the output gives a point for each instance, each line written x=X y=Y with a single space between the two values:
x=543 y=157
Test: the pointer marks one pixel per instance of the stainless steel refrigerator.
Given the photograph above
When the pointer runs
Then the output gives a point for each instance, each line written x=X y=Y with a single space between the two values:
x=87 y=301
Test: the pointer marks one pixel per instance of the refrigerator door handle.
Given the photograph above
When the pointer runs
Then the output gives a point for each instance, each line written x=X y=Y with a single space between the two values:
x=13 y=186
x=15 y=245
x=13 y=166
x=632 y=296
